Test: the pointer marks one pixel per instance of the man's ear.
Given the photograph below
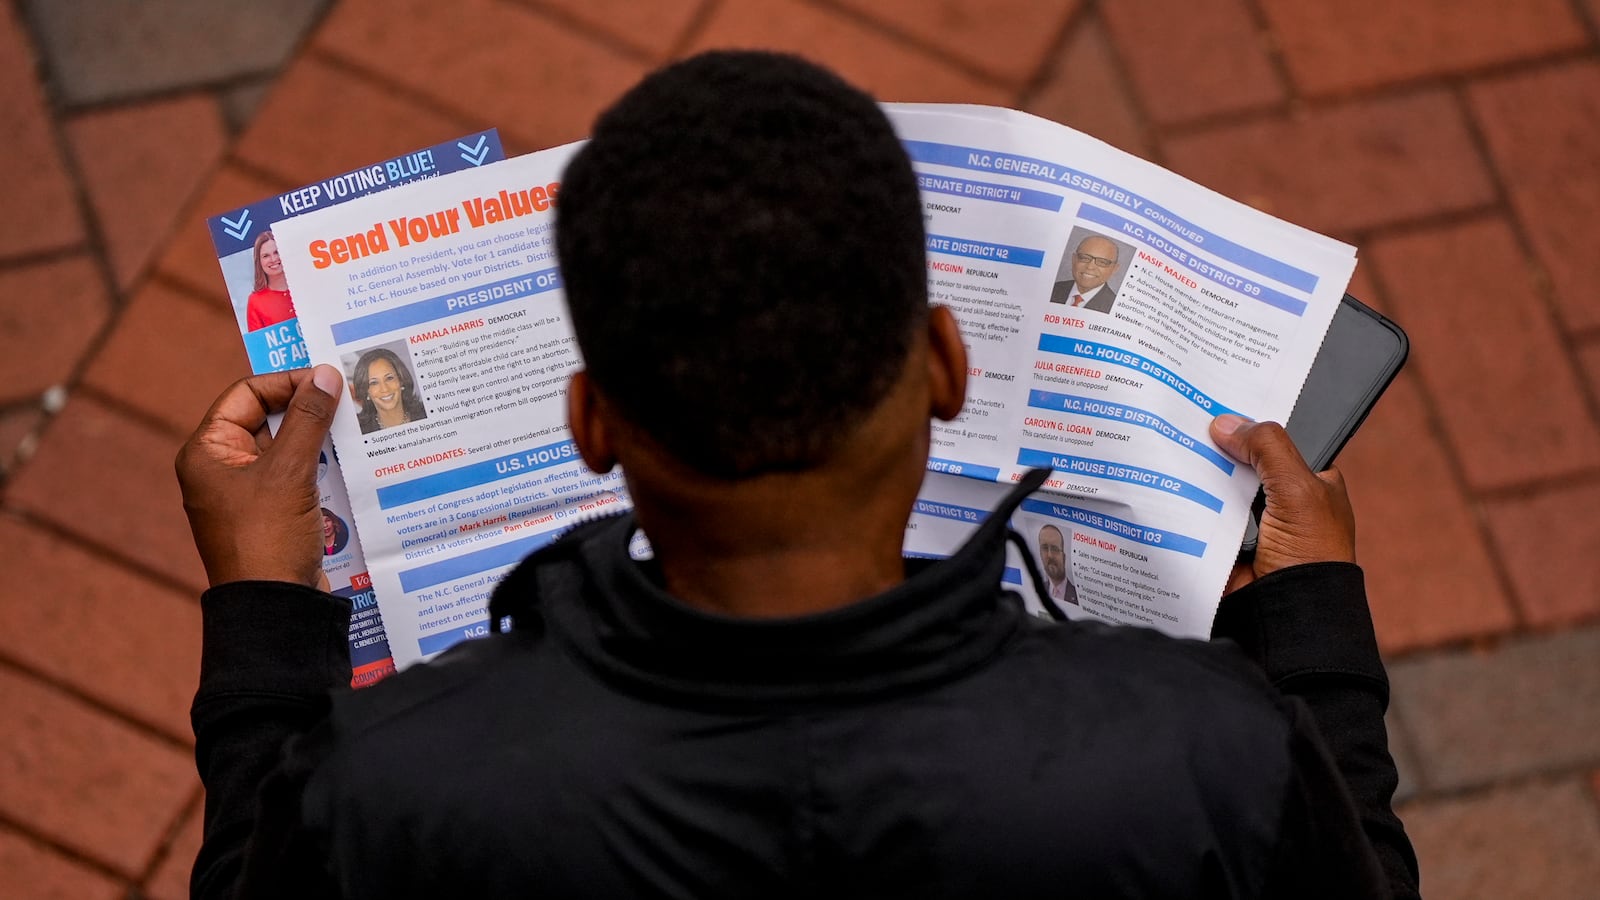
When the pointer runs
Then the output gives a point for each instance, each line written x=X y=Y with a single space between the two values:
x=947 y=365
x=586 y=418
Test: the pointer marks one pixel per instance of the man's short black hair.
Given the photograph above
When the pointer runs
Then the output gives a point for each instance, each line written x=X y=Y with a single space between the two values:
x=742 y=248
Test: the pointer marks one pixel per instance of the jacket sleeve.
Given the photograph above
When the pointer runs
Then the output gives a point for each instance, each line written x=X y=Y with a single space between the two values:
x=1309 y=629
x=271 y=655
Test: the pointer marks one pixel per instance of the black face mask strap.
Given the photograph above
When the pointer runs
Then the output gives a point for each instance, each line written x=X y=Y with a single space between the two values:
x=1039 y=586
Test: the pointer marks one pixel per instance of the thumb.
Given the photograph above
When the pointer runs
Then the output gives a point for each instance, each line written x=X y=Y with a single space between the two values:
x=307 y=419
x=1265 y=447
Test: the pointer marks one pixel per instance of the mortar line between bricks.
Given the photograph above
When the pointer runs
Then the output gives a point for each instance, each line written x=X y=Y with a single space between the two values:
x=218 y=303
x=587 y=31
x=1374 y=93
x=458 y=117
x=71 y=853
x=1457 y=471
x=1549 y=776
x=211 y=86
x=1590 y=23
x=1523 y=490
x=1050 y=62
x=218 y=84
x=170 y=837
x=121 y=716
x=1544 y=286
x=110 y=553
x=1141 y=116
x=693 y=28
x=1054 y=52
x=1274 y=49
x=1586 y=335
x=1400 y=734
x=1484 y=72
x=40 y=257
x=921 y=47
x=1423 y=223
x=123 y=408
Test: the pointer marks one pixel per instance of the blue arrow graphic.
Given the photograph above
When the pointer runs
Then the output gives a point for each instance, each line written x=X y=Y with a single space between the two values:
x=237 y=229
x=474 y=153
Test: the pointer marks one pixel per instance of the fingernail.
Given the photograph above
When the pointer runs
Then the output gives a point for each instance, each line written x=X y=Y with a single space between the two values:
x=1228 y=424
x=327 y=379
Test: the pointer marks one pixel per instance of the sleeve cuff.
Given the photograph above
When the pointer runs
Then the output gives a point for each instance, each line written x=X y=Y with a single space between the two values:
x=273 y=636
x=1305 y=620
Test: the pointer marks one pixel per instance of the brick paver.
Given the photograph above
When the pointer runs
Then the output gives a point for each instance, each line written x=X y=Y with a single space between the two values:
x=1453 y=140
x=171 y=878
x=50 y=312
x=1543 y=131
x=1485 y=346
x=1557 y=523
x=107 y=478
x=1190 y=60
x=85 y=780
x=1341 y=45
x=653 y=28
x=127 y=365
x=512 y=67
x=44 y=874
x=42 y=186
x=1345 y=168
x=875 y=61
x=1430 y=579
x=140 y=166
x=373 y=125
x=91 y=624
x=1527 y=707
x=115 y=49
x=1536 y=840
x=1083 y=88
x=1006 y=39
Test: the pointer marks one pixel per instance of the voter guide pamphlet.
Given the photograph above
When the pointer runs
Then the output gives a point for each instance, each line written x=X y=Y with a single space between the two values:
x=244 y=241
x=1110 y=308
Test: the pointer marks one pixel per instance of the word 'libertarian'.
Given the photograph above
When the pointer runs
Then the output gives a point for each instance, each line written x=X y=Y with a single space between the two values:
x=407 y=230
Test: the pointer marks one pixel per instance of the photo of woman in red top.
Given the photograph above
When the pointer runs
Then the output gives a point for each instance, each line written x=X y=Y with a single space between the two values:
x=269 y=303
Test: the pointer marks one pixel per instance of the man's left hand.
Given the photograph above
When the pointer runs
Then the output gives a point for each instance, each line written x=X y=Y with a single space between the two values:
x=252 y=498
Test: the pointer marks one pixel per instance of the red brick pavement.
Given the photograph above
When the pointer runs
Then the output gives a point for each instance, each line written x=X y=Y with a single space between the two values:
x=1456 y=142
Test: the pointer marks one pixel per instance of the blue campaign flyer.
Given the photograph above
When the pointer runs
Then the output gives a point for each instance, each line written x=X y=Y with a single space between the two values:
x=263 y=307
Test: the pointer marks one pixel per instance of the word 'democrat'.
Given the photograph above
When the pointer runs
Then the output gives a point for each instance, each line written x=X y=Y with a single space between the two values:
x=408 y=230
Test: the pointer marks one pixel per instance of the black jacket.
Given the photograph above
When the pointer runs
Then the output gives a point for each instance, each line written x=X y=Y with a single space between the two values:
x=934 y=741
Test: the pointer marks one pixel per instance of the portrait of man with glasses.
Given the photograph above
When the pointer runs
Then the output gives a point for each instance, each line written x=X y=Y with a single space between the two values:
x=1092 y=263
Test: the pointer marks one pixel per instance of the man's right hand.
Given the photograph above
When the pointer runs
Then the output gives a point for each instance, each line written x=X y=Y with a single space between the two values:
x=1308 y=517
x=252 y=498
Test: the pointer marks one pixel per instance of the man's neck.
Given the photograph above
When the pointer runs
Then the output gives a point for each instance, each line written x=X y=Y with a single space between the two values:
x=783 y=547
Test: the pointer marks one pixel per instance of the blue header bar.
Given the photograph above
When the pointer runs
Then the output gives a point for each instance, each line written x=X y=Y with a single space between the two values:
x=1154 y=537
x=452 y=304
x=1114 y=471
x=984 y=190
x=1104 y=409
x=237 y=229
x=475 y=474
x=1042 y=170
x=968 y=470
x=1055 y=343
x=951 y=511
x=1214 y=274
x=1000 y=253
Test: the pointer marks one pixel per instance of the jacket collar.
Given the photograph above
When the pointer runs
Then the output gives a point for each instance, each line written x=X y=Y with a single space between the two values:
x=946 y=617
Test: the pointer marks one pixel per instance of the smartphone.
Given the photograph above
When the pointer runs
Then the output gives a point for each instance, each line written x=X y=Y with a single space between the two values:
x=1361 y=355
